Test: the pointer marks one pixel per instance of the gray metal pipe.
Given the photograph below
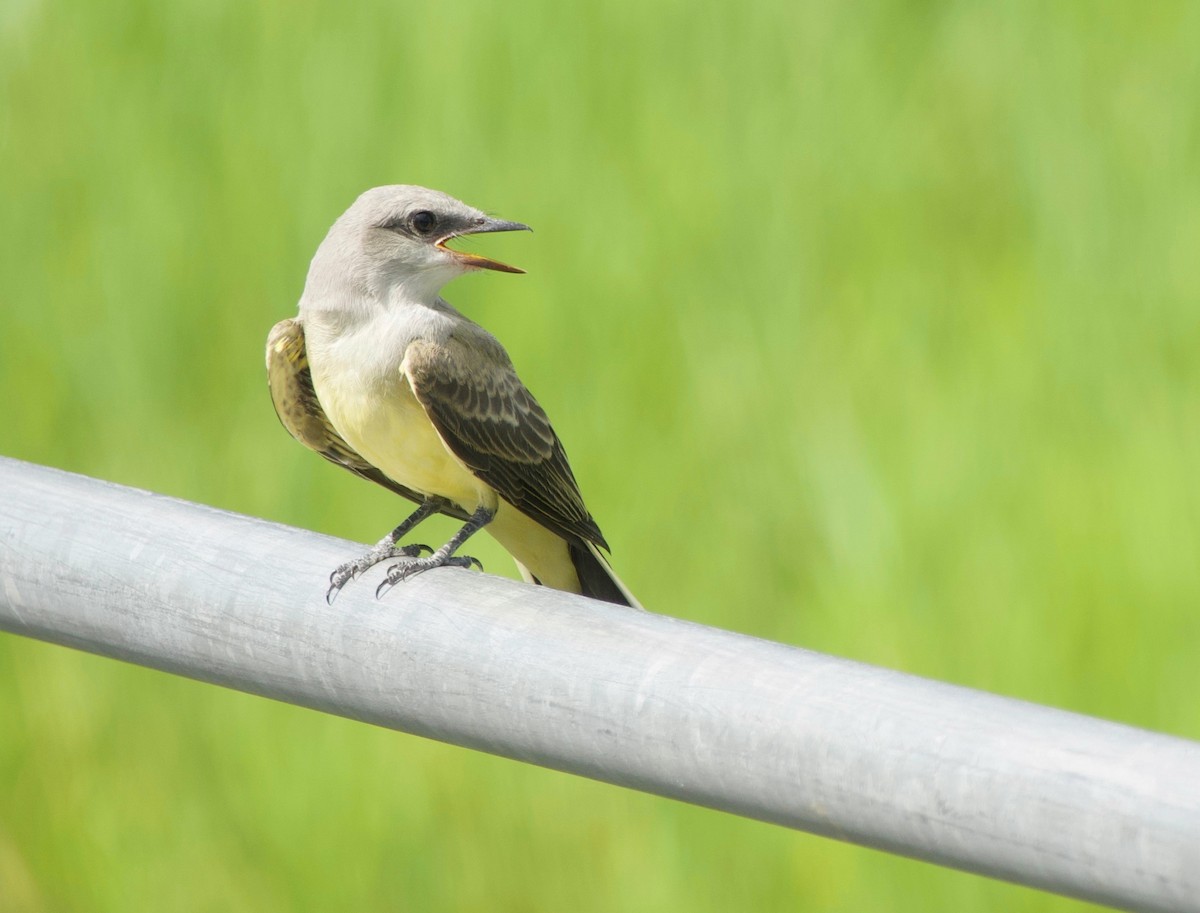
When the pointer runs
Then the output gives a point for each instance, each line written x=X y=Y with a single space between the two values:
x=1059 y=801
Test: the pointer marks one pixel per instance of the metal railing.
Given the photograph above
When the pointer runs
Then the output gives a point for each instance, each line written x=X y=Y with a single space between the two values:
x=1034 y=795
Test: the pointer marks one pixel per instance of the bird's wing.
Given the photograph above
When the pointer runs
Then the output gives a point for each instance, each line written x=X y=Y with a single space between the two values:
x=494 y=425
x=300 y=412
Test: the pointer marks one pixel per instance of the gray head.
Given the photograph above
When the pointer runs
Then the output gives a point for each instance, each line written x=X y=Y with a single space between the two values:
x=396 y=236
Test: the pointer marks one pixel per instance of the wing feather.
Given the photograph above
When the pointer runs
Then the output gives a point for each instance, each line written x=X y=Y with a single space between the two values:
x=490 y=421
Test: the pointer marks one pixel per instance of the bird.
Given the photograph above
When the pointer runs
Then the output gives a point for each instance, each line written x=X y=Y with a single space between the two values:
x=379 y=374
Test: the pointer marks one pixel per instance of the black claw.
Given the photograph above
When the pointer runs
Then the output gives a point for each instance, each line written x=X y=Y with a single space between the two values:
x=351 y=570
x=338 y=579
x=401 y=572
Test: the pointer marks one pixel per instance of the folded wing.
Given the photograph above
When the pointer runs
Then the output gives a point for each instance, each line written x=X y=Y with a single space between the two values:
x=493 y=424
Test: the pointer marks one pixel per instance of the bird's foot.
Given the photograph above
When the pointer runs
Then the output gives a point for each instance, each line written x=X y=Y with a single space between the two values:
x=405 y=569
x=382 y=551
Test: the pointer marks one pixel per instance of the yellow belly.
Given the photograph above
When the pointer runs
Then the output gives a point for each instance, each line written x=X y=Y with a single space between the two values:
x=390 y=429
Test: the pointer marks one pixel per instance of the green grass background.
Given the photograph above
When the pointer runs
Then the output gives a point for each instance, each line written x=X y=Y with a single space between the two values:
x=869 y=327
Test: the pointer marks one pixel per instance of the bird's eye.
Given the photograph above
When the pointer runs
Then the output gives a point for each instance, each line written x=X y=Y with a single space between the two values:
x=423 y=222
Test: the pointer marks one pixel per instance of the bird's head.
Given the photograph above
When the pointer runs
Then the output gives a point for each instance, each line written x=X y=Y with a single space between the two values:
x=397 y=235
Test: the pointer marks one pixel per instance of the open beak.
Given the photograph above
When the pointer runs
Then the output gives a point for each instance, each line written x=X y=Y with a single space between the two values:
x=476 y=261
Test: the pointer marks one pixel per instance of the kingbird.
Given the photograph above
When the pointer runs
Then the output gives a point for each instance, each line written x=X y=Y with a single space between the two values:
x=381 y=375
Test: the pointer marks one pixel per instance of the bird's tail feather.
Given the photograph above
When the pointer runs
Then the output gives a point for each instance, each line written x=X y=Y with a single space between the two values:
x=596 y=577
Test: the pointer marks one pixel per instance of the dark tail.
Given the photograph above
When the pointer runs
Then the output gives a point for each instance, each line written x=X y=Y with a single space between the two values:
x=596 y=578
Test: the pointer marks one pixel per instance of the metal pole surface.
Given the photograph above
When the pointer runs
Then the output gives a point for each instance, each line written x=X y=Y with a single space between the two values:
x=1030 y=794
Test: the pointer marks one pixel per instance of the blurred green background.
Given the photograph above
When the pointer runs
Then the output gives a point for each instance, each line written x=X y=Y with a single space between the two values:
x=868 y=327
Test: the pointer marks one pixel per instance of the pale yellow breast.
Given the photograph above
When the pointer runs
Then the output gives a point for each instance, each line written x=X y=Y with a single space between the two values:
x=388 y=427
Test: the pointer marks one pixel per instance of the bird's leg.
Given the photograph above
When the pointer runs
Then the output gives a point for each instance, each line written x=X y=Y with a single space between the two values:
x=444 y=556
x=384 y=549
